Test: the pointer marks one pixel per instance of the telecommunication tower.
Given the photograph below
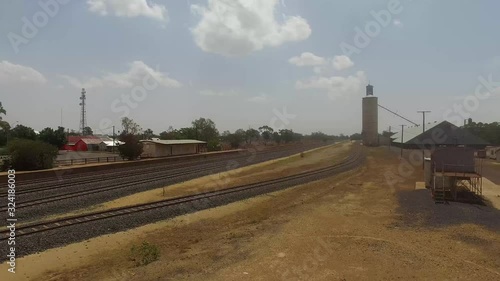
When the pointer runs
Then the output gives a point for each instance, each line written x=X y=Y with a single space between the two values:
x=83 y=117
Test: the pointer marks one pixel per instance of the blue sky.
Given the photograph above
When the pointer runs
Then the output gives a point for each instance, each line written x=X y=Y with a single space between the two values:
x=231 y=61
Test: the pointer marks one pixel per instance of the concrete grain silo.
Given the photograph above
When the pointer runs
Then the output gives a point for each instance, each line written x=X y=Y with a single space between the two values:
x=370 y=118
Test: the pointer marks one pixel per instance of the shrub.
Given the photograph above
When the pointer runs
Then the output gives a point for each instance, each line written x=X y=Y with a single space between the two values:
x=132 y=148
x=27 y=155
x=144 y=254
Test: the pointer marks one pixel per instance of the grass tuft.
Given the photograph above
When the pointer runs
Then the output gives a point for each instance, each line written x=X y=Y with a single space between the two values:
x=144 y=254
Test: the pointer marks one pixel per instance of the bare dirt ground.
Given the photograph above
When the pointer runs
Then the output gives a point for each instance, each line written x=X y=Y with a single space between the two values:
x=491 y=170
x=355 y=226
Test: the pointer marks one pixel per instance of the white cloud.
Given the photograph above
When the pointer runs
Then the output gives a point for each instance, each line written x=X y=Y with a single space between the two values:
x=397 y=23
x=129 y=8
x=230 y=93
x=342 y=62
x=335 y=86
x=307 y=59
x=263 y=98
x=15 y=73
x=239 y=27
x=137 y=73
x=322 y=65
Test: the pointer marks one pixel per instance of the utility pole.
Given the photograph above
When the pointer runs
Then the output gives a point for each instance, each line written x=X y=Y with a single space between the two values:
x=423 y=118
x=402 y=138
x=423 y=131
x=113 y=147
x=390 y=139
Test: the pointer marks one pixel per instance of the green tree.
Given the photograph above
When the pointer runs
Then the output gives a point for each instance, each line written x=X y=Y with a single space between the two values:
x=130 y=127
x=4 y=137
x=2 y=110
x=277 y=137
x=251 y=135
x=27 y=155
x=236 y=138
x=356 y=136
x=185 y=133
x=56 y=138
x=148 y=134
x=4 y=125
x=23 y=132
x=132 y=148
x=266 y=132
x=319 y=136
x=87 y=131
x=489 y=132
x=286 y=135
x=73 y=133
x=170 y=134
x=205 y=130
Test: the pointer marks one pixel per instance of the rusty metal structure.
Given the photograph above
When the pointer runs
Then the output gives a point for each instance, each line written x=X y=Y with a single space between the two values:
x=455 y=171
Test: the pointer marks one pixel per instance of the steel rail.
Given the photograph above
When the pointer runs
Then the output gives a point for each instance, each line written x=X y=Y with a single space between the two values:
x=352 y=161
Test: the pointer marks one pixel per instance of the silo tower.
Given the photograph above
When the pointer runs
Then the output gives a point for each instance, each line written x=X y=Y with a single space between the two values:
x=370 y=118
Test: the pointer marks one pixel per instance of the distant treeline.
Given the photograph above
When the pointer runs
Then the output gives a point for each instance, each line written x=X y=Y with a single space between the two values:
x=489 y=132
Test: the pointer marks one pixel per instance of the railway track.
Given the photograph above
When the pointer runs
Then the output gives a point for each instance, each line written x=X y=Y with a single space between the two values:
x=81 y=177
x=34 y=186
x=185 y=204
x=50 y=200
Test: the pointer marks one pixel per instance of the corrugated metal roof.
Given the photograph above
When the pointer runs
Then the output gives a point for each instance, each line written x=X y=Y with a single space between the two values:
x=173 y=142
x=110 y=143
x=91 y=141
x=443 y=133
x=411 y=132
x=75 y=139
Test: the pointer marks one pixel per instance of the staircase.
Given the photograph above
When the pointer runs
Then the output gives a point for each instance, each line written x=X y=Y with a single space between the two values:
x=439 y=191
x=439 y=195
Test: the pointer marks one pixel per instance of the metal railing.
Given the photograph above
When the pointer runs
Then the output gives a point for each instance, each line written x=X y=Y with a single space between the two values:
x=93 y=160
x=462 y=169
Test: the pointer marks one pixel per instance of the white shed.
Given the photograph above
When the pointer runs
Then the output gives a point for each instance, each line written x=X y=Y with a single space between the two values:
x=162 y=148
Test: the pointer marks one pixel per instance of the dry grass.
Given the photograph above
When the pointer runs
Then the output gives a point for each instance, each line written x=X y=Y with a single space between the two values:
x=347 y=227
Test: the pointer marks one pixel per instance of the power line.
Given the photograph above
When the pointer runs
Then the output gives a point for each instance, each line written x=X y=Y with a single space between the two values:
x=398 y=115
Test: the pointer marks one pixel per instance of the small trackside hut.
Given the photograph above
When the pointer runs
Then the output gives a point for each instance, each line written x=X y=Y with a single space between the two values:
x=155 y=148
x=456 y=172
